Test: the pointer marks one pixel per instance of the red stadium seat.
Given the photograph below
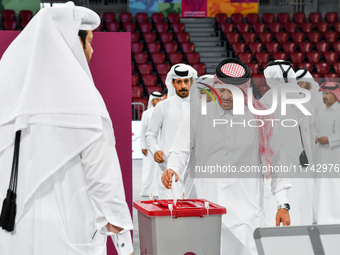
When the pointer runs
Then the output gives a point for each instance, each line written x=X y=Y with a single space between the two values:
x=233 y=38
x=141 y=17
x=142 y=100
x=24 y=24
x=157 y=17
x=290 y=27
x=109 y=17
x=259 y=80
x=149 y=37
x=200 y=68
x=331 y=36
x=134 y=80
x=254 y=67
x=163 y=78
x=245 y=57
x=249 y=37
x=158 y=58
x=298 y=37
x=136 y=92
x=289 y=47
x=323 y=27
x=188 y=47
x=99 y=28
x=145 y=68
x=283 y=17
x=337 y=67
x=163 y=69
x=243 y=27
x=193 y=58
x=183 y=37
x=252 y=18
x=272 y=47
x=275 y=27
x=173 y=17
x=227 y=28
x=315 y=17
x=8 y=15
x=178 y=27
x=259 y=27
x=238 y=47
x=331 y=57
x=307 y=65
x=255 y=47
x=333 y=77
x=313 y=57
x=162 y=27
x=237 y=18
x=137 y=47
x=336 y=46
x=305 y=47
x=262 y=58
x=25 y=17
x=221 y=18
x=282 y=37
x=132 y=68
x=314 y=37
x=10 y=24
x=141 y=58
x=322 y=68
x=145 y=27
x=279 y=56
x=154 y=47
x=166 y=37
x=114 y=27
x=317 y=77
x=154 y=89
x=336 y=26
x=149 y=80
x=265 y=37
x=125 y=17
x=297 y=57
x=268 y=17
x=299 y=17
x=129 y=27
x=331 y=17
x=171 y=47
x=306 y=27
x=322 y=46
x=176 y=58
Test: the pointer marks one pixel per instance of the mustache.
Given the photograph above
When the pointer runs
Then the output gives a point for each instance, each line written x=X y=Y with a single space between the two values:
x=183 y=90
x=228 y=100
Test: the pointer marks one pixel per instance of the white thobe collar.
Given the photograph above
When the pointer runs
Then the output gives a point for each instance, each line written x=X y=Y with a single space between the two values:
x=334 y=106
x=221 y=112
x=180 y=100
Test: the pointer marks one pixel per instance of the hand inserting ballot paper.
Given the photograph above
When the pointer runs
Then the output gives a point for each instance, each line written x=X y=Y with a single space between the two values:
x=167 y=178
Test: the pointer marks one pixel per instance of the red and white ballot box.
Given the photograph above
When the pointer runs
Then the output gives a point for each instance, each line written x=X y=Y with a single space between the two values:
x=191 y=227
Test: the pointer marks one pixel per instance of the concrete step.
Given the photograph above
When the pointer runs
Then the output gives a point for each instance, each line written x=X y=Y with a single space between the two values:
x=205 y=34
x=203 y=25
x=211 y=70
x=207 y=60
x=195 y=39
x=208 y=44
x=213 y=54
x=210 y=49
x=198 y=20
x=200 y=29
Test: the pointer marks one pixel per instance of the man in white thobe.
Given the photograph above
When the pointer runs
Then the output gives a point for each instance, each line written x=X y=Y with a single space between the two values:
x=166 y=118
x=328 y=155
x=295 y=142
x=150 y=167
x=70 y=193
x=228 y=145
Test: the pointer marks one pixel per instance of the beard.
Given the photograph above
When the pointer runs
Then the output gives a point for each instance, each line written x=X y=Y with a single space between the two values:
x=181 y=94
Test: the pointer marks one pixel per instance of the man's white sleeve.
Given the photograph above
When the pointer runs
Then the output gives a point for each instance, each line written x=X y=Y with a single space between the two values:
x=334 y=139
x=106 y=190
x=143 y=131
x=154 y=127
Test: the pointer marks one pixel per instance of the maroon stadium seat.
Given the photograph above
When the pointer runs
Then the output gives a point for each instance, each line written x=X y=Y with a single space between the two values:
x=237 y=18
x=176 y=58
x=163 y=69
x=331 y=17
x=183 y=37
x=323 y=27
x=252 y=18
x=317 y=77
x=249 y=37
x=10 y=24
x=254 y=67
x=255 y=47
x=268 y=17
x=262 y=58
x=322 y=68
x=171 y=47
x=157 y=17
x=322 y=46
x=306 y=65
x=233 y=38
x=132 y=68
x=306 y=27
x=331 y=57
x=142 y=100
x=221 y=18
x=336 y=46
x=162 y=27
x=313 y=57
x=275 y=27
x=154 y=47
x=193 y=58
x=125 y=17
x=163 y=77
x=158 y=58
x=337 y=67
x=99 y=28
x=137 y=47
x=200 y=68
x=24 y=24
x=109 y=17
x=298 y=37
x=283 y=17
x=282 y=37
x=145 y=27
x=145 y=68
x=227 y=28
x=114 y=27
x=154 y=89
x=141 y=58
x=305 y=47
x=178 y=27
x=134 y=80
x=315 y=17
x=259 y=80
x=314 y=37
x=272 y=47
x=265 y=37
x=336 y=26
x=25 y=17
x=279 y=55
x=136 y=92
x=188 y=47
x=149 y=37
x=299 y=17
x=289 y=47
x=149 y=80
x=141 y=17
x=243 y=27
x=297 y=57
x=238 y=47
x=333 y=77
x=8 y=15
x=331 y=36
x=129 y=27
x=290 y=27
x=166 y=37
x=173 y=17
x=259 y=27
x=245 y=57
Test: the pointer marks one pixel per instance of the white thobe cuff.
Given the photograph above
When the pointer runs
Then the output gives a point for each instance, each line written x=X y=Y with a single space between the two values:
x=154 y=148
x=333 y=140
x=281 y=197
x=123 y=243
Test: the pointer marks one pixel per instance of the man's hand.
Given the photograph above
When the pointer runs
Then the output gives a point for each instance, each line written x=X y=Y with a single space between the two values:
x=144 y=151
x=282 y=215
x=159 y=156
x=113 y=228
x=167 y=178
x=323 y=140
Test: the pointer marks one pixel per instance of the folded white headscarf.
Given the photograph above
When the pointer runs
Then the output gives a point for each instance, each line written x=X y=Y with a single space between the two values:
x=152 y=96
